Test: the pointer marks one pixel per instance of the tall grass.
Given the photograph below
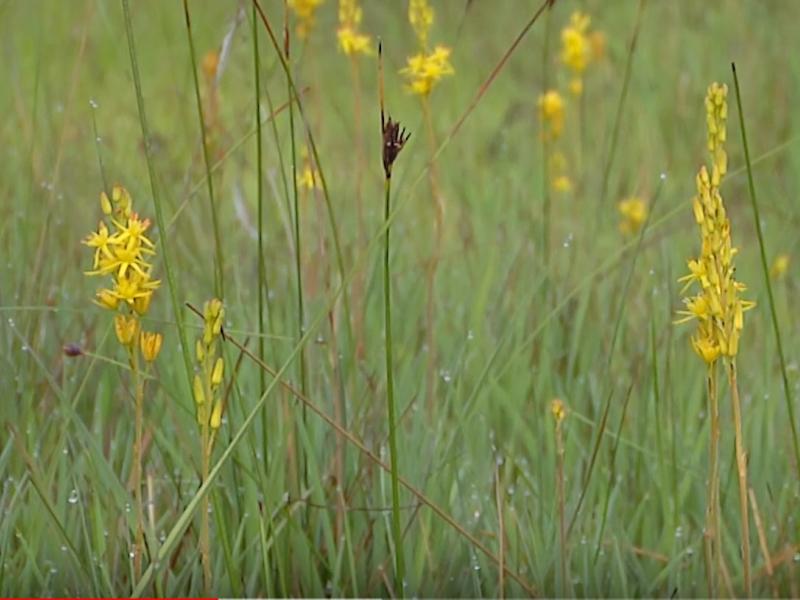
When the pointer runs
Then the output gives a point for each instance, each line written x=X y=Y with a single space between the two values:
x=481 y=499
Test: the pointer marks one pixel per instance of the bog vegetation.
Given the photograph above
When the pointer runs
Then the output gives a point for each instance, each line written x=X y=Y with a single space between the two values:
x=424 y=298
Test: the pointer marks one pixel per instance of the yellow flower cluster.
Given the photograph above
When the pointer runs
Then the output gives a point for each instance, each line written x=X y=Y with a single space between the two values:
x=121 y=252
x=633 y=213
x=351 y=40
x=211 y=367
x=579 y=48
x=717 y=307
x=304 y=10
x=424 y=70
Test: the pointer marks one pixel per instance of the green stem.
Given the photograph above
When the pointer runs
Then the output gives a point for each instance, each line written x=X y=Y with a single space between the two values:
x=298 y=266
x=219 y=284
x=160 y=221
x=787 y=390
x=262 y=274
x=712 y=534
x=397 y=532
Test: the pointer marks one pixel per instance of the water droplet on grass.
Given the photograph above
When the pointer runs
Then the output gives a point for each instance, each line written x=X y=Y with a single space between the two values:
x=73 y=497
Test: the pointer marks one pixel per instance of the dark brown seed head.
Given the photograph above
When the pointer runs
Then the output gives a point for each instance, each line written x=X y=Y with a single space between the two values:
x=72 y=350
x=394 y=138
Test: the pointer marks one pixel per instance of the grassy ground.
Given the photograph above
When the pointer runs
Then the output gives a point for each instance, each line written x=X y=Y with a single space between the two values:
x=509 y=321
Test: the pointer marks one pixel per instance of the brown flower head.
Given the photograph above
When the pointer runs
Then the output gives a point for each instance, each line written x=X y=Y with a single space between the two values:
x=394 y=138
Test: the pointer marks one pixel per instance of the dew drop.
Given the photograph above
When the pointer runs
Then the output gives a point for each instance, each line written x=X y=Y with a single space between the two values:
x=73 y=497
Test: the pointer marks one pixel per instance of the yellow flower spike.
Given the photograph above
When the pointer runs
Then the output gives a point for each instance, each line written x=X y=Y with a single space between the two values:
x=197 y=389
x=127 y=329
x=305 y=11
x=420 y=15
x=217 y=373
x=717 y=308
x=351 y=40
x=558 y=410
x=779 y=266
x=150 y=343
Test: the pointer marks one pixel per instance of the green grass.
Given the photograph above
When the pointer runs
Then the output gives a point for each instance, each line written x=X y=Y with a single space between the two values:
x=591 y=324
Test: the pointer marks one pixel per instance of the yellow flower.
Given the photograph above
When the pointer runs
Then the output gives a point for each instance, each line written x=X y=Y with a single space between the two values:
x=424 y=70
x=210 y=366
x=150 y=343
x=127 y=329
x=562 y=184
x=558 y=410
x=102 y=242
x=420 y=15
x=308 y=178
x=575 y=44
x=633 y=211
x=779 y=266
x=351 y=40
x=304 y=10
x=551 y=114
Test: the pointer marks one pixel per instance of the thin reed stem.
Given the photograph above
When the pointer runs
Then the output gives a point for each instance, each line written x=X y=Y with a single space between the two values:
x=138 y=381
x=172 y=283
x=545 y=237
x=298 y=246
x=433 y=266
x=741 y=470
x=263 y=289
x=219 y=282
x=397 y=532
x=787 y=390
x=562 y=530
x=712 y=534
x=205 y=527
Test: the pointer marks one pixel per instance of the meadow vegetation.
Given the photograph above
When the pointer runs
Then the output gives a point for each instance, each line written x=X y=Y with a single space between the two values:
x=420 y=298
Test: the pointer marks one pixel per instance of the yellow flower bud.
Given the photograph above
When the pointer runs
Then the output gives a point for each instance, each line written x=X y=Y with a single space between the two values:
x=217 y=374
x=197 y=388
x=150 y=343
x=216 y=416
x=105 y=204
x=106 y=299
x=558 y=410
x=127 y=328
x=142 y=303
x=199 y=350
